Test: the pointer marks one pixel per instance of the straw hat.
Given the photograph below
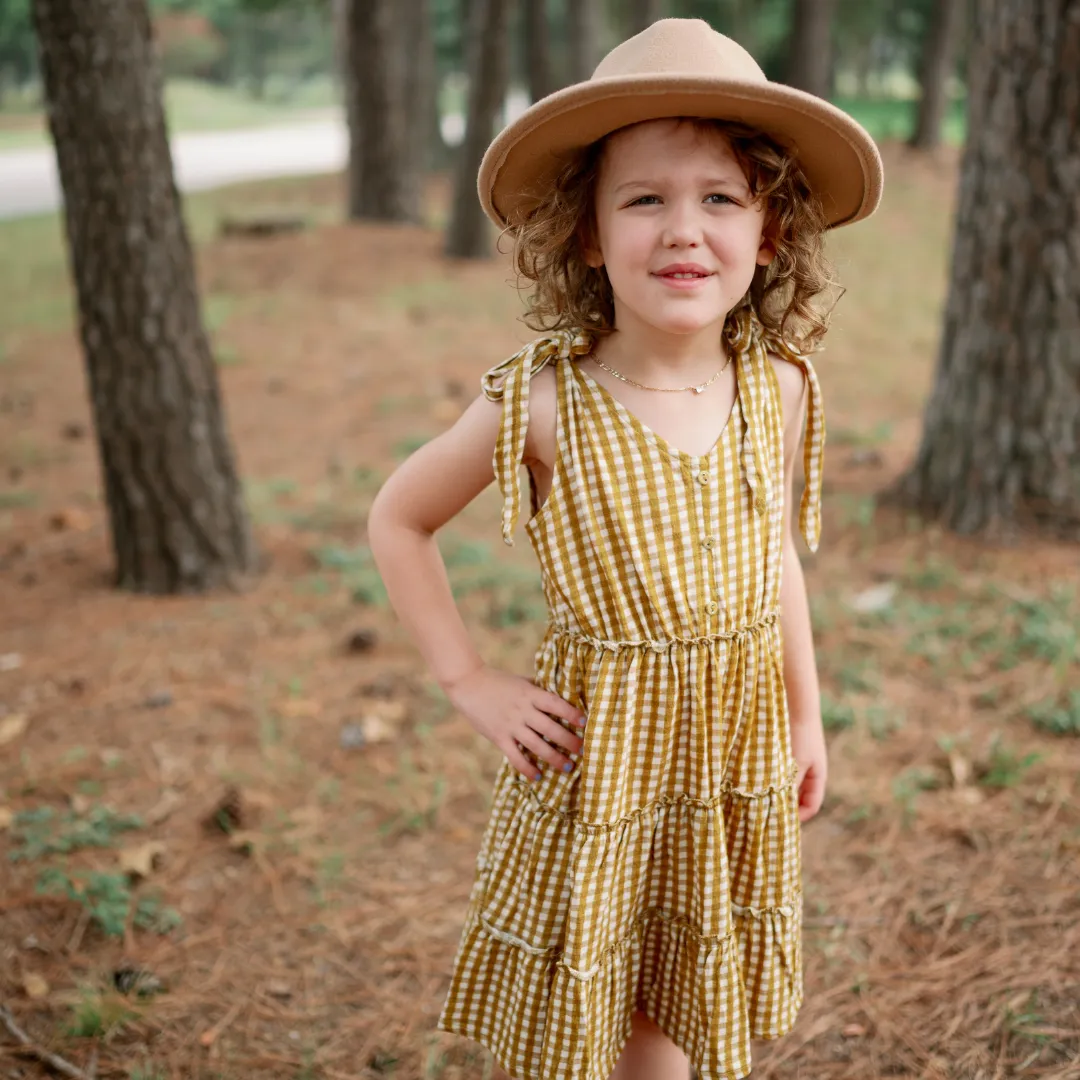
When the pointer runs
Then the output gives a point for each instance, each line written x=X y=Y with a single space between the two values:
x=680 y=67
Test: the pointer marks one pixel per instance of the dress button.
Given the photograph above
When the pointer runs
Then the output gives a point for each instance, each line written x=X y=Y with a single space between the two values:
x=703 y=478
x=707 y=543
x=712 y=607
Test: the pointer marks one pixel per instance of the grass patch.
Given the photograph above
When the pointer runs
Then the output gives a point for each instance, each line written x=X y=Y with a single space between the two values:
x=43 y=831
x=1057 y=716
x=108 y=900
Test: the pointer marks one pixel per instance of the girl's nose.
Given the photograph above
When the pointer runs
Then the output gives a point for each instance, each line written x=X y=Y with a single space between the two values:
x=681 y=227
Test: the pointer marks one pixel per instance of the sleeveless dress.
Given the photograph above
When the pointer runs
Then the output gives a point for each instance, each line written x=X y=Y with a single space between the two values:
x=663 y=872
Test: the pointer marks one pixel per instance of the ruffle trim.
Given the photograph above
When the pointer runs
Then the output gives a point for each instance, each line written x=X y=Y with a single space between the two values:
x=727 y=792
x=543 y=1019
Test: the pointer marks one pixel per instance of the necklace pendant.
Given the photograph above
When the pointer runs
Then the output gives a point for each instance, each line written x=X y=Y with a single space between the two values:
x=698 y=389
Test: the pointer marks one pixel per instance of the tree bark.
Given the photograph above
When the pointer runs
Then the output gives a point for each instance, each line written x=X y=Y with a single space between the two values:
x=810 y=53
x=416 y=43
x=381 y=184
x=1001 y=442
x=643 y=13
x=467 y=236
x=537 y=49
x=584 y=19
x=937 y=65
x=174 y=500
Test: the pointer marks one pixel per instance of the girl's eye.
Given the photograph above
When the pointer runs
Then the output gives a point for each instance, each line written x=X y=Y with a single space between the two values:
x=643 y=200
x=723 y=199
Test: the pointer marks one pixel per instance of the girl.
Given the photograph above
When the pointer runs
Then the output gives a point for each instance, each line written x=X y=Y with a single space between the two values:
x=637 y=901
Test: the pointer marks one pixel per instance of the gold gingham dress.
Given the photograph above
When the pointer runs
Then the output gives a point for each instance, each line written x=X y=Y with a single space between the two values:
x=663 y=872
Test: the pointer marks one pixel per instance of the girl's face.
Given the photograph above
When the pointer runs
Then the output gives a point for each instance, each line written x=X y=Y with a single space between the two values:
x=676 y=227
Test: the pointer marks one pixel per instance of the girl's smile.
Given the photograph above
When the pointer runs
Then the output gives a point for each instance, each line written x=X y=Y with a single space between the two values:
x=683 y=275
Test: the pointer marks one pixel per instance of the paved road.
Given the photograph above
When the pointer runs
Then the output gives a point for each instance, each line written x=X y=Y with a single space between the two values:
x=29 y=183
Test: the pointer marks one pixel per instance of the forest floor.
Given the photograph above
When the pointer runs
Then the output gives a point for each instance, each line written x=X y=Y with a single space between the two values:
x=237 y=832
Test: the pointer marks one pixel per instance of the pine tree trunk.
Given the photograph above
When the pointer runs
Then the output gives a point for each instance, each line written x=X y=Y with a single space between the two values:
x=937 y=65
x=175 y=506
x=416 y=41
x=380 y=181
x=1001 y=443
x=644 y=13
x=583 y=26
x=467 y=236
x=810 y=54
x=537 y=49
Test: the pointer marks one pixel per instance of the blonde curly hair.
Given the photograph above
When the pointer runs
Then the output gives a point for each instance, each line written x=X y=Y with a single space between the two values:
x=567 y=293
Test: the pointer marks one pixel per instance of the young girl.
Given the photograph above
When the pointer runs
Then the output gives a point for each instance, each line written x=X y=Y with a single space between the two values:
x=637 y=902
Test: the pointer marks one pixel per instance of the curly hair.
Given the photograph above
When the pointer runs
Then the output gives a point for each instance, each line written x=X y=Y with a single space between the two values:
x=568 y=293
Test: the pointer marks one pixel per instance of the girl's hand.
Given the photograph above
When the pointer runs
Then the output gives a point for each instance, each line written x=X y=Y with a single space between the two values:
x=808 y=749
x=516 y=715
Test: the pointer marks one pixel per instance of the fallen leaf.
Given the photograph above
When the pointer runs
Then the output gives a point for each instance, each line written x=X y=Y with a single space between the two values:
x=10 y=661
x=140 y=861
x=279 y=989
x=7 y=816
x=960 y=768
x=79 y=803
x=853 y=1031
x=35 y=986
x=12 y=727
x=874 y=599
x=376 y=729
x=169 y=801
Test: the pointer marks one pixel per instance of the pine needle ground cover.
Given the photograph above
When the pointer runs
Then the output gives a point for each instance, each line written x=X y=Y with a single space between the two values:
x=237 y=833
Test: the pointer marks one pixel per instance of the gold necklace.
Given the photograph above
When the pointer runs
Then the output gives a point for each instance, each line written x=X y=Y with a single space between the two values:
x=697 y=387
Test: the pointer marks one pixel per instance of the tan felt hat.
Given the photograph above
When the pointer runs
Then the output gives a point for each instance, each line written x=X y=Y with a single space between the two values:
x=680 y=67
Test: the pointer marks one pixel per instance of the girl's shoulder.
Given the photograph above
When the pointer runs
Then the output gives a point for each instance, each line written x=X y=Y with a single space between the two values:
x=510 y=375
x=792 y=379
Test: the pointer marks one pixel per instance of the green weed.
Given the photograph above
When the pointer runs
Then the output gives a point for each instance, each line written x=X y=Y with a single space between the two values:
x=1056 y=716
x=97 y=1016
x=1005 y=767
x=108 y=900
x=836 y=715
x=358 y=571
x=14 y=500
x=43 y=831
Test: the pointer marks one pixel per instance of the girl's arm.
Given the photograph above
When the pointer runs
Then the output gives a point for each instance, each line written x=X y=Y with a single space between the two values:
x=422 y=495
x=800 y=666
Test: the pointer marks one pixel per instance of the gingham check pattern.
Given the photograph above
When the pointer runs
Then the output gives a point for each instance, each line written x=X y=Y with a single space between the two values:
x=663 y=874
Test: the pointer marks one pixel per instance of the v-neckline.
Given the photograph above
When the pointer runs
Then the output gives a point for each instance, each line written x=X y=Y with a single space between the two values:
x=644 y=428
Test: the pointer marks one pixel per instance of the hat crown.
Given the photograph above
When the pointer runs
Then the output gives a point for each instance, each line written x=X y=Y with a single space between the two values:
x=680 y=47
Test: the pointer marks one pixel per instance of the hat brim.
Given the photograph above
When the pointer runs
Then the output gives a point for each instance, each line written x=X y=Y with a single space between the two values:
x=838 y=156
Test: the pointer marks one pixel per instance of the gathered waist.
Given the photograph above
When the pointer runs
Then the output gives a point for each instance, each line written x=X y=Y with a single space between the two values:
x=660 y=645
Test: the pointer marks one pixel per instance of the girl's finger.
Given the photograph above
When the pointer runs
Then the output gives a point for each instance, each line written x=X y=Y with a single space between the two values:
x=554 y=705
x=543 y=725
x=545 y=751
x=520 y=761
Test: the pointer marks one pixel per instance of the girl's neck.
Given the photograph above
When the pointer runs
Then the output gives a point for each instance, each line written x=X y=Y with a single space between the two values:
x=645 y=353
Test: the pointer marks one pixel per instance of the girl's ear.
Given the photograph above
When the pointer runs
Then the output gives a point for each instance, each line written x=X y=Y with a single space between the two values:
x=590 y=250
x=767 y=248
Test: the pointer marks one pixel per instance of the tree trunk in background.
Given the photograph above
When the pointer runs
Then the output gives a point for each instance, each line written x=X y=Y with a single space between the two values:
x=583 y=25
x=416 y=44
x=537 y=49
x=381 y=182
x=937 y=66
x=810 y=54
x=644 y=13
x=174 y=500
x=467 y=236
x=1001 y=443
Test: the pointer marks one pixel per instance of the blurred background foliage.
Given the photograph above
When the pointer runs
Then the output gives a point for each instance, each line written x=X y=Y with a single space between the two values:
x=222 y=54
